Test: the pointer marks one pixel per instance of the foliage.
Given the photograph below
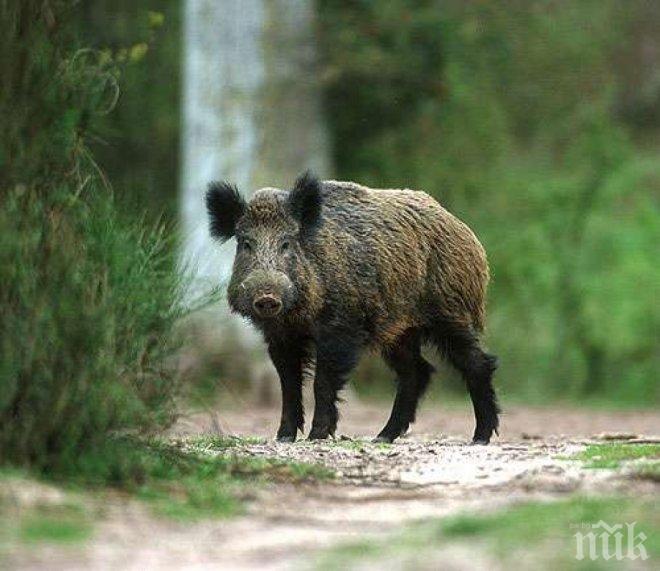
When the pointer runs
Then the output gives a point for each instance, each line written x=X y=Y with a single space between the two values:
x=88 y=305
x=88 y=298
x=511 y=117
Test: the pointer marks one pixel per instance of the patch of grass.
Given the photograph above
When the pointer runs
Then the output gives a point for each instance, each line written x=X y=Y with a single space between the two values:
x=543 y=532
x=184 y=480
x=302 y=471
x=611 y=455
x=67 y=524
x=532 y=521
x=188 y=480
x=45 y=521
x=214 y=486
x=212 y=442
x=347 y=555
x=359 y=444
x=193 y=497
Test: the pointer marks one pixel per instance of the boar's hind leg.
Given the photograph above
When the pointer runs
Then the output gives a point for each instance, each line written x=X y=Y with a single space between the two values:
x=287 y=358
x=336 y=356
x=461 y=347
x=413 y=376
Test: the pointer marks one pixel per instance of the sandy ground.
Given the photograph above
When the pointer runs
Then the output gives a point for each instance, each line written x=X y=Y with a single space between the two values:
x=432 y=472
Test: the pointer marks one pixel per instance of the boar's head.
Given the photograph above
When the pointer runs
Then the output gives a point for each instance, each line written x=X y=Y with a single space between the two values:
x=270 y=231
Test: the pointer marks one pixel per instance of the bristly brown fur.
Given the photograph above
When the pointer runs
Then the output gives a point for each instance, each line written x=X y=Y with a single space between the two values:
x=411 y=261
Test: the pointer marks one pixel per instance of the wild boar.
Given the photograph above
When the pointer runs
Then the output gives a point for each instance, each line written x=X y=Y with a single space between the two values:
x=333 y=268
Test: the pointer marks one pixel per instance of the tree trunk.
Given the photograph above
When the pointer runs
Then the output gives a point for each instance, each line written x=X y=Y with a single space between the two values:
x=251 y=115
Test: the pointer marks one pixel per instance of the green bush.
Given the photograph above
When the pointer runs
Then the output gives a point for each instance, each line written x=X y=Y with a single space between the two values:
x=88 y=299
x=88 y=304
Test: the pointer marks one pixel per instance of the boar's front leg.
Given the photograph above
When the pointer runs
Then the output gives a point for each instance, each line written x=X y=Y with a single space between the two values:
x=287 y=356
x=336 y=356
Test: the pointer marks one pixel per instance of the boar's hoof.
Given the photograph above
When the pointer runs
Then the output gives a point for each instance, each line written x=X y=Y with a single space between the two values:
x=285 y=438
x=318 y=434
x=480 y=441
x=380 y=439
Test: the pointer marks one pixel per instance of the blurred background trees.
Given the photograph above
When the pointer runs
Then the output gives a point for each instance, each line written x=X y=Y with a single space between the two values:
x=519 y=118
x=138 y=142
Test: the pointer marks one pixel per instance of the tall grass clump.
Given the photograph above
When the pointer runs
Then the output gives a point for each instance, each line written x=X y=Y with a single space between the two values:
x=88 y=298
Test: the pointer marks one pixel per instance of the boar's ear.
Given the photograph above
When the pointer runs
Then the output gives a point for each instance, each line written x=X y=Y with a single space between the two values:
x=305 y=201
x=225 y=206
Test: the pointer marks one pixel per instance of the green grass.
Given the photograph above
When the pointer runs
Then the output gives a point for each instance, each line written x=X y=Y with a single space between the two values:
x=67 y=524
x=532 y=521
x=203 y=477
x=543 y=532
x=302 y=471
x=64 y=519
x=611 y=455
x=359 y=444
x=188 y=479
x=210 y=442
x=217 y=486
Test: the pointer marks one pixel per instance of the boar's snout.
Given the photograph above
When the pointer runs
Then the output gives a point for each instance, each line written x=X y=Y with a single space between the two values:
x=263 y=294
x=267 y=305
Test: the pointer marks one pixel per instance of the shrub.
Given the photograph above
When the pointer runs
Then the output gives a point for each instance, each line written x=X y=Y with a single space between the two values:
x=88 y=302
x=88 y=299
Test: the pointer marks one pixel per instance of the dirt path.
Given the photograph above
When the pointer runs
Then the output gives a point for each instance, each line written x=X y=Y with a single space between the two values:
x=431 y=472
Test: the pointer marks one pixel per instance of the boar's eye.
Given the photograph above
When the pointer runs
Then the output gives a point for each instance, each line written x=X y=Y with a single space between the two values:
x=245 y=246
x=285 y=246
